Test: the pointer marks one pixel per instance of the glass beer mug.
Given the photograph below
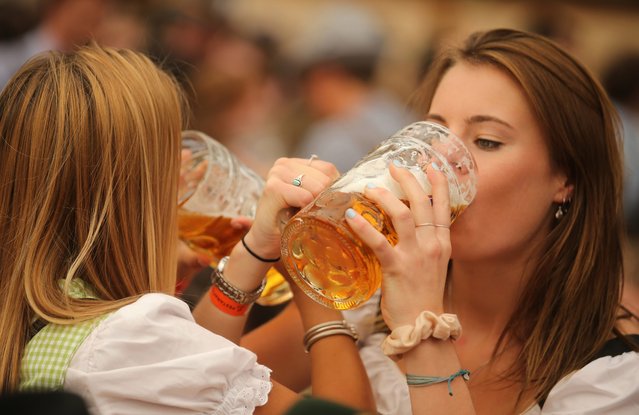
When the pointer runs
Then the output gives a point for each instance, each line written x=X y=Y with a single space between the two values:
x=215 y=188
x=320 y=251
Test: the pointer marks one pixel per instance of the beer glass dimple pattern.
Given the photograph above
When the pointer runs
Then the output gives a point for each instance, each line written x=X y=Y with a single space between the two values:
x=215 y=188
x=320 y=251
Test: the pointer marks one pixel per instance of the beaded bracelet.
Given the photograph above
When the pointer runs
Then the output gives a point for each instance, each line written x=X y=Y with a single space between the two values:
x=327 y=329
x=417 y=380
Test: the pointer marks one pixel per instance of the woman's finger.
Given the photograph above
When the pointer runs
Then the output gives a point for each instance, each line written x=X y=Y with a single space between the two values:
x=301 y=175
x=288 y=195
x=307 y=165
x=399 y=213
x=241 y=222
x=441 y=196
x=325 y=167
x=377 y=242
x=418 y=199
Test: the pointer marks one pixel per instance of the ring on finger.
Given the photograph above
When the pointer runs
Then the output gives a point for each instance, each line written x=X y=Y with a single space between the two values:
x=435 y=225
x=313 y=157
x=297 y=181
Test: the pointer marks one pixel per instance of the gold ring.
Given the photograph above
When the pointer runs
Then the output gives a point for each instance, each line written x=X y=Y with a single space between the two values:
x=435 y=225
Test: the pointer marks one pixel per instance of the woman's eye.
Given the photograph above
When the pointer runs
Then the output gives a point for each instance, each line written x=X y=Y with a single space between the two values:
x=487 y=144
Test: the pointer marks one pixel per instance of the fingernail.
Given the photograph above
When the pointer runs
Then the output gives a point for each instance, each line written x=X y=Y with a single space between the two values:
x=350 y=213
x=435 y=166
x=397 y=163
x=371 y=185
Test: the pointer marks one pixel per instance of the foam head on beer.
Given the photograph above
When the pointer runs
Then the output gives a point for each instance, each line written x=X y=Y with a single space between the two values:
x=386 y=181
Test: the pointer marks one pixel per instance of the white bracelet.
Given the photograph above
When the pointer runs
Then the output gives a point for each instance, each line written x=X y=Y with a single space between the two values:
x=427 y=324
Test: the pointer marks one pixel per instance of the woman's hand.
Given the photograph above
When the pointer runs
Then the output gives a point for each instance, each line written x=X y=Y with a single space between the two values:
x=414 y=270
x=190 y=262
x=280 y=193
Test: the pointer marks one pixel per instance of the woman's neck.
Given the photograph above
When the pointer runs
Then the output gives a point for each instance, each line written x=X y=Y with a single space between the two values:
x=485 y=295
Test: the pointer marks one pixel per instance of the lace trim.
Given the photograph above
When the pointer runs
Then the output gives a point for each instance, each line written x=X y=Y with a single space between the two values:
x=248 y=390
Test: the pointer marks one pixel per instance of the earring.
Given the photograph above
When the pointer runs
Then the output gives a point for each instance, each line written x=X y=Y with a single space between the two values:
x=562 y=209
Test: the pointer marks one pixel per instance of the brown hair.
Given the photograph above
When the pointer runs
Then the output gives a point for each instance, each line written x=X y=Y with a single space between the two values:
x=567 y=309
x=89 y=163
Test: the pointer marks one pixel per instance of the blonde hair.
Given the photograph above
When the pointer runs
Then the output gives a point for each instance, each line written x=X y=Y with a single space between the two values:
x=90 y=147
x=567 y=310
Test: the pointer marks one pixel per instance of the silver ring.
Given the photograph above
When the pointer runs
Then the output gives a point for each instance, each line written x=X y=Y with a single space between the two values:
x=313 y=157
x=435 y=225
x=297 y=182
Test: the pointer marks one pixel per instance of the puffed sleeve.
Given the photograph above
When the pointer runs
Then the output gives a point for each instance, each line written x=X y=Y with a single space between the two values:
x=150 y=357
x=608 y=385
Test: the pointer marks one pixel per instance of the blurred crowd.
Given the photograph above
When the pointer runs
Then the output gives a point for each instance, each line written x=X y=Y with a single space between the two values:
x=323 y=95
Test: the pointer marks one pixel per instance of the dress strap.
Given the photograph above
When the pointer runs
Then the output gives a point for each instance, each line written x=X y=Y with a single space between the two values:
x=49 y=352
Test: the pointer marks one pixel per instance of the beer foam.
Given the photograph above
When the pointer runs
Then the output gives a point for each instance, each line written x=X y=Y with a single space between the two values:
x=376 y=172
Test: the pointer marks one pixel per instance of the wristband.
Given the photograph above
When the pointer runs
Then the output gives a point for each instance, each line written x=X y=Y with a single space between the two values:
x=225 y=304
x=226 y=297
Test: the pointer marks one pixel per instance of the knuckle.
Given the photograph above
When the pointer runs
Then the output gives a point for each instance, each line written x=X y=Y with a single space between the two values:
x=281 y=161
x=379 y=245
x=404 y=215
x=277 y=170
x=440 y=201
x=324 y=181
x=332 y=170
x=433 y=248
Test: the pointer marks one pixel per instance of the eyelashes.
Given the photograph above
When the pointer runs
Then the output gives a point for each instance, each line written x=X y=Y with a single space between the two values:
x=487 y=144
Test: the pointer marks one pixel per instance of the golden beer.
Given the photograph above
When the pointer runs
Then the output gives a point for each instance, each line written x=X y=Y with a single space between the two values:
x=335 y=267
x=319 y=249
x=212 y=235
x=215 y=187
x=216 y=237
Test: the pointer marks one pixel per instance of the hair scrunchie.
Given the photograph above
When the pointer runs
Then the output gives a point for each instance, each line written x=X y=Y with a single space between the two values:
x=427 y=324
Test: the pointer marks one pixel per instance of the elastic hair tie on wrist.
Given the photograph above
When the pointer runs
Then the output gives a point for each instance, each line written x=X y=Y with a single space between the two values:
x=427 y=325
x=256 y=256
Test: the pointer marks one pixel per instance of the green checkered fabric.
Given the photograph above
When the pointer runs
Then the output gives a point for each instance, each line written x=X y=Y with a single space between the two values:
x=78 y=288
x=48 y=354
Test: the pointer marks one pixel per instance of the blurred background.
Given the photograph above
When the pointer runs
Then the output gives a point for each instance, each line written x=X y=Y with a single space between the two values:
x=328 y=77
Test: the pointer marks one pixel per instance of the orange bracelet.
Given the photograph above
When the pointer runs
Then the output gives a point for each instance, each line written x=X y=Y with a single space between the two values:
x=225 y=304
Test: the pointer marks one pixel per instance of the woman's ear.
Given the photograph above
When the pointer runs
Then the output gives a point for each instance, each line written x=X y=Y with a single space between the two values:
x=564 y=191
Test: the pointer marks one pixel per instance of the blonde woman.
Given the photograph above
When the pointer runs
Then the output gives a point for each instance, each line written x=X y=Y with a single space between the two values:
x=89 y=165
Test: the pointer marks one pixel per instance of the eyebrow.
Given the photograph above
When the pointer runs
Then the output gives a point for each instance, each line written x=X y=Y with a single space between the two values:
x=435 y=117
x=475 y=119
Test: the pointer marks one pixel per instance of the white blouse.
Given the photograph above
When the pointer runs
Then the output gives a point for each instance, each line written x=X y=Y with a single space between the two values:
x=150 y=357
x=608 y=385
